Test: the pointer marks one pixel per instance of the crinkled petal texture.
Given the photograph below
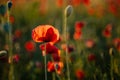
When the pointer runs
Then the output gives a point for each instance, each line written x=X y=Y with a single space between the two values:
x=45 y=33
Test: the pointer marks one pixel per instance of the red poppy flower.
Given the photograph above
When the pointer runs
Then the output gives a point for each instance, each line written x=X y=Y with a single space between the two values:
x=43 y=6
x=30 y=46
x=80 y=74
x=116 y=43
x=77 y=35
x=50 y=48
x=16 y=58
x=45 y=33
x=89 y=43
x=91 y=57
x=56 y=57
x=107 y=31
x=17 y=33
x=70 y=48
x=79 y=26
x=86 y=2
x=112 y=9
x=51 y=66
x=12 y=19
x=59 y=3
x=75 y=2
x=91 y=11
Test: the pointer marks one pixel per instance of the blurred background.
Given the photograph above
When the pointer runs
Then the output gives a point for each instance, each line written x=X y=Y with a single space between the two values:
x=90 y=58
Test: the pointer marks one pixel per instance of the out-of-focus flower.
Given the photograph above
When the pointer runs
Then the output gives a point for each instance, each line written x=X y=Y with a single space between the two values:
x=112 y=8
x=52 y=66
x=91 y=10
x=17 y=34
x=91 y=57
x=89 y=43
x=16 y=58
x=78 y=26
x=86 y=2
x=70 y=48
x=107 y=31
x=78 y=2
x=77 y=35
x=43 y=6
x=50 y=49
x=38 y=64
x=75 y=2
x=116 y=43
x=59 y=3
x=78 y=30
x=30 y=46
x=45 y=33
x=80 y=74
x=12 y=19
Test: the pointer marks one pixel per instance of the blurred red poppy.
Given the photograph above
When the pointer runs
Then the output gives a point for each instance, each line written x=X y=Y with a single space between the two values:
x=75 y=2
x=45 y=33
x=12 y=19
x=51 y=66
x=43 y=6
x=18 y=33
x=112 y=8
x=91 y=57
x=91 y=10
x=70 y=48
x=86 y=2
x=107 y=31
x=89 y=43
x=77 y=35
x=59 y=3
x=30 y=46
x=16 y=58
x=80 y=74
x=78 y=26
x=116 y=43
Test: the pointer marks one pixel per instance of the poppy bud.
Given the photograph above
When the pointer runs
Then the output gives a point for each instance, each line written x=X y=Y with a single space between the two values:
x=2 y=10
x=3 y=56
x=3 y=53
x=111 y=51
x=68 y=10
x=9 y=4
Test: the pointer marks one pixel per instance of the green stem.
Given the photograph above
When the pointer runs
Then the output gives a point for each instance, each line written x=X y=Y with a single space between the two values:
x=11 y=72
x=65 y=37
x=111 y=61
x=45 y=62
x=53 y=76
x=2 y=22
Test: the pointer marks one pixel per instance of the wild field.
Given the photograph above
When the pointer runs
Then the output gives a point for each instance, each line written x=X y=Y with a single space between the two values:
x=59 y=39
